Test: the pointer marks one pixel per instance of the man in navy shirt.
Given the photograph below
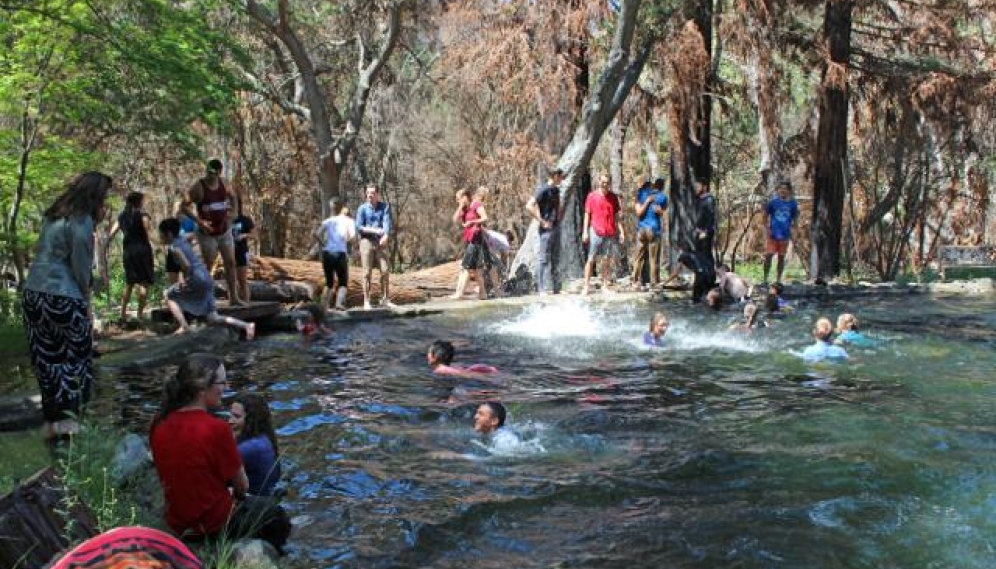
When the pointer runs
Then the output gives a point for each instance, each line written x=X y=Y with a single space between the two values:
x=779 y=216
x=547 y=208
x=373 y=226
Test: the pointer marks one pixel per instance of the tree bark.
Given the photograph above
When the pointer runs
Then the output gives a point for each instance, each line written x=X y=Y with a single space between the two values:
x=830 y=158
x=614 y=84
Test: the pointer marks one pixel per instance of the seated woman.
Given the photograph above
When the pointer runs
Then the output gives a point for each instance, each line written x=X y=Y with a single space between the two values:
x=440 y=359
x=654 y=337
x=847 y=332
x=823 y=349
x=195 y=295
x=197 y=462
x=252 y=425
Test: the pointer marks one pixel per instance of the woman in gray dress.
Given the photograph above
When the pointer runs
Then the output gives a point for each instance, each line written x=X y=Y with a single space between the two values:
x=56 y=303
x=195 y=295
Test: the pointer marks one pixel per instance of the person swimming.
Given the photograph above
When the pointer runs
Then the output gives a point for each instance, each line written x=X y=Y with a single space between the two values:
x=751 y=319
x=313 y=323
x=847 y=332
x=440 y=359
x=823 y=349
x=654 y=336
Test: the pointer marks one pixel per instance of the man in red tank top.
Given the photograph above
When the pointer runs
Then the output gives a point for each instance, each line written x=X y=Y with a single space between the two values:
x=210 y=203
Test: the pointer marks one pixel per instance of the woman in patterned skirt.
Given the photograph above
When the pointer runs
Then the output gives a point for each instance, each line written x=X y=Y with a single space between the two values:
x=56 y=303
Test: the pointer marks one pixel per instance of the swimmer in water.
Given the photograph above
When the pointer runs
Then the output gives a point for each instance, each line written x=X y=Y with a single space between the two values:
x=654 y=336
x=440 y=359
x=823 y=349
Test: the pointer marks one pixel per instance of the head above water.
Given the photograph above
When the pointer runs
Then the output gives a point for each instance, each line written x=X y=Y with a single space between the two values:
x=489 y=417
x=714 y=299
x=658 y=324
x=846 y=322
x=750 y=313
x=823 y=330
x=440 y=352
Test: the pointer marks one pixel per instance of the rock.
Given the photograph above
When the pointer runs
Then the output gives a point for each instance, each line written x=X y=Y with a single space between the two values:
x=131 y=457
x=254 y=554
x=20 y=413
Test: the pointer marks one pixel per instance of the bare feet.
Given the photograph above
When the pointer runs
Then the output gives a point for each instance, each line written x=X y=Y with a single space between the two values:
x=251 y=331
x=236 y=302
x=584 y=291
x=454 y=297
x=182 y=330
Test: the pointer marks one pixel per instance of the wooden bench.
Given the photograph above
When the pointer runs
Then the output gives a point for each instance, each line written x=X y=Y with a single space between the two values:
x=961 y=262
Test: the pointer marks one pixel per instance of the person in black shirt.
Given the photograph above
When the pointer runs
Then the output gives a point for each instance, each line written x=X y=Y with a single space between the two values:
x=243 y=229
x=547 y=207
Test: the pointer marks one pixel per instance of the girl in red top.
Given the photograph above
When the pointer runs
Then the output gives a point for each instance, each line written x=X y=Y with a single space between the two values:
x=471 y=217
x=198 y=461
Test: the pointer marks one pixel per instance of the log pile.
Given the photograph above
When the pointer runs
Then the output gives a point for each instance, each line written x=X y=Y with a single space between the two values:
x=288 y=280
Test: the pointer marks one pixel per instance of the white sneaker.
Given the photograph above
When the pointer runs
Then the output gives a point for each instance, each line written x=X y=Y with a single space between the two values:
x=366 y=305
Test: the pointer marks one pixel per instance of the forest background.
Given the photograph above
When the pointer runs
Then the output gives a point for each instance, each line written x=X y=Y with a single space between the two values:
x=879 y=112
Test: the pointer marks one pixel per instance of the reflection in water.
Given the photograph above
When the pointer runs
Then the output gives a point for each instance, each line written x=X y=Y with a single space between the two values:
x=722 y=449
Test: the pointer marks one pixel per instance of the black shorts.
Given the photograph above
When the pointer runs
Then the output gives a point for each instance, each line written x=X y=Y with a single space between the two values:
x=171 y=265
x=335 y=266
x=472 y=256
x=241 y=257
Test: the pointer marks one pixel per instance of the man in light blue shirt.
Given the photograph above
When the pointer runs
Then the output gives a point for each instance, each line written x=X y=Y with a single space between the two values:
x=373 y=226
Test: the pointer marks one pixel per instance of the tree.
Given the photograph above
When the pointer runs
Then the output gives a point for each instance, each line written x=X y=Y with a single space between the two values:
x=311 y=90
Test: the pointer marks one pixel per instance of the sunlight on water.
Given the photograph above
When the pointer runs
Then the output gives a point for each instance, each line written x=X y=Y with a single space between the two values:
x=686 y=335
x=570 y=317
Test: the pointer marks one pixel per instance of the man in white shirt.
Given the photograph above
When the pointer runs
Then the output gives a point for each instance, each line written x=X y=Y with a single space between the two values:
x=334 y=236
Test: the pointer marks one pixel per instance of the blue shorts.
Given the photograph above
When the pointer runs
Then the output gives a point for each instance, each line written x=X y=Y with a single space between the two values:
x=599 y=246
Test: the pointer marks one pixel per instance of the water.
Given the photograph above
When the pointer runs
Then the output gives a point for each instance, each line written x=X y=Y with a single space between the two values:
x=721 y=450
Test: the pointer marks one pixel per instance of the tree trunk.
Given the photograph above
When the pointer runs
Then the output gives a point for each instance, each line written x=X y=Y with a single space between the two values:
x=29 y=133
x=830 y=158
x=614 y=83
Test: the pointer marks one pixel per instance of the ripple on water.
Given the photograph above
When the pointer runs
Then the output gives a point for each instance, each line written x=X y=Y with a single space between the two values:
x=308 y=423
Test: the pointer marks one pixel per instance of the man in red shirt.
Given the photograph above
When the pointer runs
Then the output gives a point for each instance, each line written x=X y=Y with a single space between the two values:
x=602 y=232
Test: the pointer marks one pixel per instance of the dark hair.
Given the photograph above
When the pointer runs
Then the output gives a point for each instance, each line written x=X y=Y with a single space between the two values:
x=784 y=184
x=259 y=421
x=442 y=351
x=170 y=225
x=134 y=202
x=84 y=196
x=195 y=374
x=556 y=172
x=498 y=410
x=659 y=182
x=335 y=205
x=215 y=165
x=771 y=303
x=716 y=294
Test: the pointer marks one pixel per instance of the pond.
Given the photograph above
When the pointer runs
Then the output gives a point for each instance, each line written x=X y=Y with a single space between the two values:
x=720 y=450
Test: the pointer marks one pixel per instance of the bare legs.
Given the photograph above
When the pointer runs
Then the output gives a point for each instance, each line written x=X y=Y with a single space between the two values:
x=213 y=318
x=242 y=274
x=142 y=294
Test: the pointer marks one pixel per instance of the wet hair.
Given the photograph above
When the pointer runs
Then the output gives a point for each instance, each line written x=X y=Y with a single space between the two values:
x=442 y=351
x=657 y=318
x=195 y=374
x=846 y=321
x=497 y=410
x=823 y=330
x=316 y=312
x=714 y=299
x=84 y=196
x=170 y=226
x=258 y=419
x=750 y=313
x=215 y=165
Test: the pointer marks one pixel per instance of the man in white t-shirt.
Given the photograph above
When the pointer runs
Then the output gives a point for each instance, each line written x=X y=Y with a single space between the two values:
x=334 y=236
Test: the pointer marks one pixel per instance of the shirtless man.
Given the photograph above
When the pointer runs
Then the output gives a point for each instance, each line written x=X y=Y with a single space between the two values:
x=210 y=203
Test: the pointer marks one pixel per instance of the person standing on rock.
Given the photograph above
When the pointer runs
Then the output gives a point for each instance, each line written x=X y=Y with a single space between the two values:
x=210 y=203
x=334 y=236
x=547 y=207
x=373 y=226
x=602 y=232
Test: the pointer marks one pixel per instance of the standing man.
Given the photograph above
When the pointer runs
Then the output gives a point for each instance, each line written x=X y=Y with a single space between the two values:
x=334 y=236
x=705 y=229
x=650 y=205
x=547 y=208
x=373 y=226
x=602 y=231
x=779 y=216
x=210 y=204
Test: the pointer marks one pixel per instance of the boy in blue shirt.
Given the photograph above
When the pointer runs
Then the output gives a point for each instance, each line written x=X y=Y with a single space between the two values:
x=779 y=215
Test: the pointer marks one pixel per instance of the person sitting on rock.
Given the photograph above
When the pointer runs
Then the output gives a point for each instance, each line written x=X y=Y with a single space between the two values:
x=251 y=422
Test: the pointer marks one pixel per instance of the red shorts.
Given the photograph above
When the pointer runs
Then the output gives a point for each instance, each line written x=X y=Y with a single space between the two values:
x=776 y=247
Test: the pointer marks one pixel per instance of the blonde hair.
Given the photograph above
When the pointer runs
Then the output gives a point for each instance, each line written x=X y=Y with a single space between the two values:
x=750 y=312
x=481 y=192
x=823 y=329
x=845 y=322
x=657 y=318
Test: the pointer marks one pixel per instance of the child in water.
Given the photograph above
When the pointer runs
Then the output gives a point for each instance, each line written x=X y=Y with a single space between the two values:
x=195 y=294
x=751 y=319
x=654 y=337
x=440 y=359
x=824 y=348
x=313 y=323
x=847 y=332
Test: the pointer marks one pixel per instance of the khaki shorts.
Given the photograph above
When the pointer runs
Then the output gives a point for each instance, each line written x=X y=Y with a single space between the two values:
x=211 y=244
x=371 y=254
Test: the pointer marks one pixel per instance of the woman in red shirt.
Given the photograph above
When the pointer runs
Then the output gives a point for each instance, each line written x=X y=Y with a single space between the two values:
x=470 y=215
x=198 y=461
